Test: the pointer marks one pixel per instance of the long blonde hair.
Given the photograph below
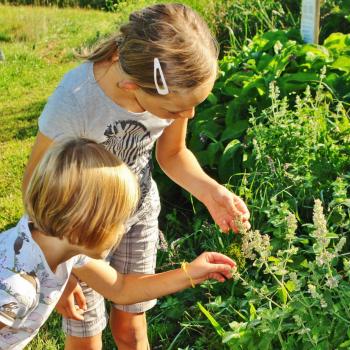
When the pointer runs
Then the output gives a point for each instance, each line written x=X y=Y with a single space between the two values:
x=82 y=192
x=173 y=33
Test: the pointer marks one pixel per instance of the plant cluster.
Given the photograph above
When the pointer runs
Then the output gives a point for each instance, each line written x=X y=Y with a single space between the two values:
x=291 y=303
x=293 y=278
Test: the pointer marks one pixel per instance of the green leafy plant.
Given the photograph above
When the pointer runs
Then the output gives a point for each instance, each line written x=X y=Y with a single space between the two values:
x=289 y=303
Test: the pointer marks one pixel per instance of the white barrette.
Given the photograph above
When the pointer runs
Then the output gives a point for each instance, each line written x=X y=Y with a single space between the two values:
x=157 y=67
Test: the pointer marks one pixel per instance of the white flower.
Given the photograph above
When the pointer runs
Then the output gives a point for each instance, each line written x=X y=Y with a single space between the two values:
x=339 y=247
x=346 y=264
x=332 y=281
x=324 y=258
x=320 y=233
x=312 y=291
x=291 y=226
x=323 y=303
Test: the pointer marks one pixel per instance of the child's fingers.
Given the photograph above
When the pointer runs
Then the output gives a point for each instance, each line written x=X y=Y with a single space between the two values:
x=231 y=207
x=222 y=269
x=241 y=207
x=224 y=227
x=235 y=229
x=80 y=299
x=220 y=261
x=216 y=276
x=74 y=313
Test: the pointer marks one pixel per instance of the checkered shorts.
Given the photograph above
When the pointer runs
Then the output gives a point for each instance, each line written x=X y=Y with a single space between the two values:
x=136 y=253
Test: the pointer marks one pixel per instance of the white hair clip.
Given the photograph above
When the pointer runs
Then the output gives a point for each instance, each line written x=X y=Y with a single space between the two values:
x=157 y=67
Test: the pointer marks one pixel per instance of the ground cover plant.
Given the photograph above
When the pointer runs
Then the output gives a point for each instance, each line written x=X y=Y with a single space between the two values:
x=275 y=130
x=294 y=264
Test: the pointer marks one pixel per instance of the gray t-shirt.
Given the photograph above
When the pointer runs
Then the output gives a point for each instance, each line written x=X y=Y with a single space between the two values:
x=79 y=107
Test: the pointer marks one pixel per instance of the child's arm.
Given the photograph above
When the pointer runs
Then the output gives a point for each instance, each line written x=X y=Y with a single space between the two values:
x=180 y=164
x=41 y=145
x=130 y=289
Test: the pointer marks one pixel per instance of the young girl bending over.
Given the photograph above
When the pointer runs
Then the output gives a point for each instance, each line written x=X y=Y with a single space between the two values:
x=77 y=202
x=139 y=86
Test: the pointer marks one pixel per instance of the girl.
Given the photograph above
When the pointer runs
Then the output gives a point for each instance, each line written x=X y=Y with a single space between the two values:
x=139 y=86
x=77 y=202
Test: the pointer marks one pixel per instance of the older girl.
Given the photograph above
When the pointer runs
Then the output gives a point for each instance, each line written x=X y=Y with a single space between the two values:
x=140 y=86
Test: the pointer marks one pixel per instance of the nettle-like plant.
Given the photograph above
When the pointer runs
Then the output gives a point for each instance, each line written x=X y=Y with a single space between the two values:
x=291 y=303
x=296 y=154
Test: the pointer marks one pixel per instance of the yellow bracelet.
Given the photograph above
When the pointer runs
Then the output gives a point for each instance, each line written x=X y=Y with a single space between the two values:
x=184 y=268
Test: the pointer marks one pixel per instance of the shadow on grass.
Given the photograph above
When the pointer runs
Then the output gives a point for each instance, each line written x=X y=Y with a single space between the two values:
x=21 y=123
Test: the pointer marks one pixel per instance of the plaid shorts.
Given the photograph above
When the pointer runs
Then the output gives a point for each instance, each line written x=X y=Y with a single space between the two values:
x=136 y=253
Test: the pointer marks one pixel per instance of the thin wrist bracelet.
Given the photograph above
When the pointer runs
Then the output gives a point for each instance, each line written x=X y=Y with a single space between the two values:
x=184 y=265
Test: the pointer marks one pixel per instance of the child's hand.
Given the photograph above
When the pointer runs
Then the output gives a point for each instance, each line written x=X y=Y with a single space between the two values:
x=225 y=207
x=210 y=265
x=72 y=294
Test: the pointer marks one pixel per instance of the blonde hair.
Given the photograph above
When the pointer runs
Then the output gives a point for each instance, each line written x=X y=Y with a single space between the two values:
x=82 y=192
x=176 y=35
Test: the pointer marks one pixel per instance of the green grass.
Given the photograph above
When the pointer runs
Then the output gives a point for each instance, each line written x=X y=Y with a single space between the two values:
x=39 y=46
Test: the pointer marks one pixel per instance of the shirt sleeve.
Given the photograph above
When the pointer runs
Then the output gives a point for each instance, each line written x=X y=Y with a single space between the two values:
x=17 y=298
x=62 y=116
x=81 y=260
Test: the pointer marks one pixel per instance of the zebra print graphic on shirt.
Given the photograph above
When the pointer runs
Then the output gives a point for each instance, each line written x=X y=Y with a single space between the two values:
x=131 y=141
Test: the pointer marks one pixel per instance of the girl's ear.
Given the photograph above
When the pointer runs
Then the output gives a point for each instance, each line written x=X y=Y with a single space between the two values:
x=128 y=85
x=115 y=57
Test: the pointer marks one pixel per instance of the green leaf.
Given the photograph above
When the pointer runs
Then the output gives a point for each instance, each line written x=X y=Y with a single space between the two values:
x=342 y=63
x=296 y=81
x=236 y=131
x=332 y=235
x=257 y=85
x=314 y=52
x=232 y=335
x=264 y=62
x=231 y=90
x=228 y=162
x=345 y=344
x=212 y=99
x=274 y=259
x=232 y=112
x=283 y=295
x=210 y=155
x=304 y=263
x=240 y=78
x=252 y=312
x=219 y=330
x=337 y=42
x=290 y=286
x=268 y=40
x=210 y=113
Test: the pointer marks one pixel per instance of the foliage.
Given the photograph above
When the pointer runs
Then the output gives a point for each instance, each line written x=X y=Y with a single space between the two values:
x=293 y=153
x=297 y=154
x=288 y=302
x=221 y=123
